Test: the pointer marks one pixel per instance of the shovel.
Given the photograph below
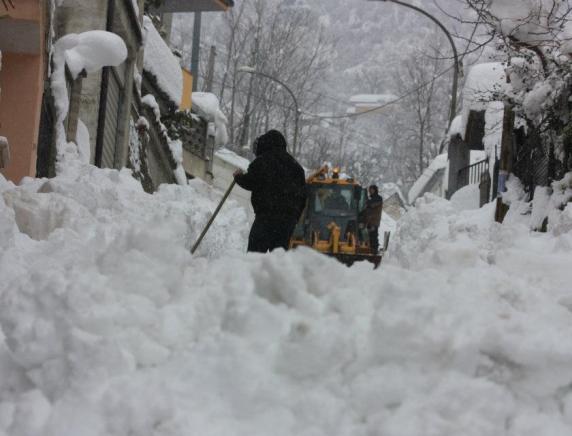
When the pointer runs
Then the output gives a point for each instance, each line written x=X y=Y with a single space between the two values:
x=212 y=218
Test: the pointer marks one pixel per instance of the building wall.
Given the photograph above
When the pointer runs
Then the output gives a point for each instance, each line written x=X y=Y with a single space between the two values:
x=22 y=82
x=194 y=165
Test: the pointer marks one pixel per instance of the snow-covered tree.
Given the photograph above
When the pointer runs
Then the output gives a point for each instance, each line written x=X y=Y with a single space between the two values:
x=535 y=38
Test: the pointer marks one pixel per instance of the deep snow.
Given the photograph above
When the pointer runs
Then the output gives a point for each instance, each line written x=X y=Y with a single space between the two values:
x=113 y=328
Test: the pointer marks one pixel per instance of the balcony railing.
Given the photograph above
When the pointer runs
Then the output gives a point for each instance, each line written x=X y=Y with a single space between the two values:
x=473 y=173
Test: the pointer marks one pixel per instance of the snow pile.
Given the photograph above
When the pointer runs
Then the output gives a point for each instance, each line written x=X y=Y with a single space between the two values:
x=467 y=198
x=162 y=64
x=207 y=105
x=550 y=209
x=113 y=328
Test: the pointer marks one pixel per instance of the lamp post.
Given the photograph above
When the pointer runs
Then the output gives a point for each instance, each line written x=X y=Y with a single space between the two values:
x=453 y=108
x=251 y=70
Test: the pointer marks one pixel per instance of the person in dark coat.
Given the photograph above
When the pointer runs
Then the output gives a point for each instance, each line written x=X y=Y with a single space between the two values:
x=371 y=216
x=278 y=187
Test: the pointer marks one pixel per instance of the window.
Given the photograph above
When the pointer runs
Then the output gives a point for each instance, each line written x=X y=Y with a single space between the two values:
x=333 y=199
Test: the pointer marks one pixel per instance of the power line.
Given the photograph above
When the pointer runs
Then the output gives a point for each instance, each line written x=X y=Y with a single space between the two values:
x=368 y=111
x=368 y=138
x=392 y=102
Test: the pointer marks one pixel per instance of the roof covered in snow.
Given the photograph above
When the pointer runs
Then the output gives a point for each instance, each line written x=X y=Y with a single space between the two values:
x=371 y=98
x=162 y=63
x=485 y=84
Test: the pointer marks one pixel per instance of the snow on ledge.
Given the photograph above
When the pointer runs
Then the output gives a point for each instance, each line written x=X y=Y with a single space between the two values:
x=92 y=51
x=162 y=63
x=457 y=127
x=207 y=105
x=232 y=158
x=439 y=163
x=89 y=51
x=485 y=83
x=372 y=98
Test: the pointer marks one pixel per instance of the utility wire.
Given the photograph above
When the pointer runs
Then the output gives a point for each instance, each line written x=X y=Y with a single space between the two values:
x=365 y=138
x=368 y=138
x=392 y=102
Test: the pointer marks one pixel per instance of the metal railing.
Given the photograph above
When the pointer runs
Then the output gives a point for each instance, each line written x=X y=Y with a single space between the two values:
x=473 y=173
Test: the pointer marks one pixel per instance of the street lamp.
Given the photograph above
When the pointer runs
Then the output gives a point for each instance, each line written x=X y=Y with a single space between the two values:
x=251 y=70
x=453 y=108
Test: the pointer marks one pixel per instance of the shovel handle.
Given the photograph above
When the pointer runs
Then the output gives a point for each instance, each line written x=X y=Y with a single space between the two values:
x=212 y=218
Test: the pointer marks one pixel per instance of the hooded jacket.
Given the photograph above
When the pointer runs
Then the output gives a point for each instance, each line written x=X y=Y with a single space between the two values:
x=373 y=210
x=276 y=180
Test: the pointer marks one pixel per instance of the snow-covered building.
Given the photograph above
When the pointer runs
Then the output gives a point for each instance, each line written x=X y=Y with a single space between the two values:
x=106 y=99
x=477 y=131
x=114 y=85
x=24 y=34
x=184 y=127
x=161 y=89
x=54 y=91
x=531 y=156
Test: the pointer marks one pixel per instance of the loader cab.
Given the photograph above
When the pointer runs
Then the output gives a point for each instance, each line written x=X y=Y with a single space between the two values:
x=330 y=200
x=332 y=203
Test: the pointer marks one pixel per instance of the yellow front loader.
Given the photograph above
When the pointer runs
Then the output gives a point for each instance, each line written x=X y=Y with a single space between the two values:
x=331 y=221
